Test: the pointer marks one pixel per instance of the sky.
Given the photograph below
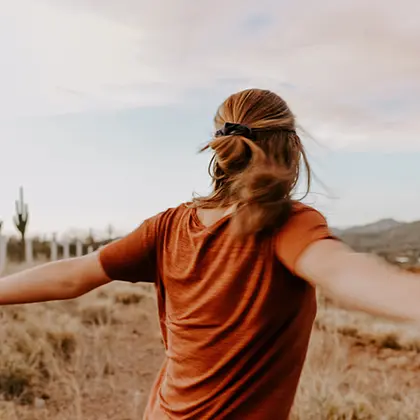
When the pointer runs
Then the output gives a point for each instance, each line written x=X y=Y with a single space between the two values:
x=104 y=104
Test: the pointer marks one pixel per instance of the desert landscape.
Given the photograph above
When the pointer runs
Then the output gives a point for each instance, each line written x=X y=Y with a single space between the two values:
x=105 y=108
x=95 y=358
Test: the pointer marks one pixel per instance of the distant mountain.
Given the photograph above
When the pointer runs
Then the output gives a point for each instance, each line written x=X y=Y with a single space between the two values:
x=376 y=227
x=385 y=236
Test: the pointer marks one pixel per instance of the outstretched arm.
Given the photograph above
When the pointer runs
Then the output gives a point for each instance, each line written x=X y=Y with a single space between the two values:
x=59 y=280
x=361 y=281
x=131 y=258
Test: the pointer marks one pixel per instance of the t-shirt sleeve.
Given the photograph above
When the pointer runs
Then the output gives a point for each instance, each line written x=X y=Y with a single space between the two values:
x=133 y=258
x=305 y=226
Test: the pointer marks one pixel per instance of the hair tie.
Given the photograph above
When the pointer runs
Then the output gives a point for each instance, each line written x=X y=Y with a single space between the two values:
x=231 y=129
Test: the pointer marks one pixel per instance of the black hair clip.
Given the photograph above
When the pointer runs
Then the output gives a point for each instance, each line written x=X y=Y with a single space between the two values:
x=231 y=129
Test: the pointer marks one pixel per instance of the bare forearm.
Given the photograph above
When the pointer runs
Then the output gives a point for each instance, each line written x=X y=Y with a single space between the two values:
x=60 y=280
x=371 y=285
x=361 y=281
x=39 y=284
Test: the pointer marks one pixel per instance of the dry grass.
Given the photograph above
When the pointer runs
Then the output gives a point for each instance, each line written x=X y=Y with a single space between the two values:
x=95 y=358
x=360 y=367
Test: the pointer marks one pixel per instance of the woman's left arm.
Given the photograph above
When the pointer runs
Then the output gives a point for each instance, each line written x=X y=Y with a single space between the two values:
x=66 y=279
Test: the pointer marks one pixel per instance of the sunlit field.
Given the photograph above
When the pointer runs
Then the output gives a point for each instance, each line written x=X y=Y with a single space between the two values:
x=96 y=358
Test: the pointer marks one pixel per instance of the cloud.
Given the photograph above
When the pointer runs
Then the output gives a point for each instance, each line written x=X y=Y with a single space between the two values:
x=349 y=69
x=68 y=62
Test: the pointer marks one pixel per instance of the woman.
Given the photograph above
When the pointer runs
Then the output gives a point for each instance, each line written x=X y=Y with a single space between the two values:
x=235 y=274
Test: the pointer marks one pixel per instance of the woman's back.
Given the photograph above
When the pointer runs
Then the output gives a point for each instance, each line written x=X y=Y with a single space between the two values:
x=235 y=320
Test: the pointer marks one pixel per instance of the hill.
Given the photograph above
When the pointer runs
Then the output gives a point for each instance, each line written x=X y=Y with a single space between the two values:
x=376 y=227
x=388 y=237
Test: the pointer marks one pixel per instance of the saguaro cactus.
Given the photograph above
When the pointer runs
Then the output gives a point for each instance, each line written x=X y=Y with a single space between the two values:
x=21 y=220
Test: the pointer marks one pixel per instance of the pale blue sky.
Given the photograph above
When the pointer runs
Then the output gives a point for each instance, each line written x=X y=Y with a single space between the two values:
x=101 y=124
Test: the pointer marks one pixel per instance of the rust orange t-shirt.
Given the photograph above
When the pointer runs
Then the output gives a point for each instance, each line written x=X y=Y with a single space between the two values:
x=235 y=319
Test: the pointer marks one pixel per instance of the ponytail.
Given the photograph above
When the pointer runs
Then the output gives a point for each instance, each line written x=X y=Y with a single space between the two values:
x=255 y=166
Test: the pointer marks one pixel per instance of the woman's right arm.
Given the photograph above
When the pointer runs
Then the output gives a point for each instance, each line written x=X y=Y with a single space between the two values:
x=361 y=281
